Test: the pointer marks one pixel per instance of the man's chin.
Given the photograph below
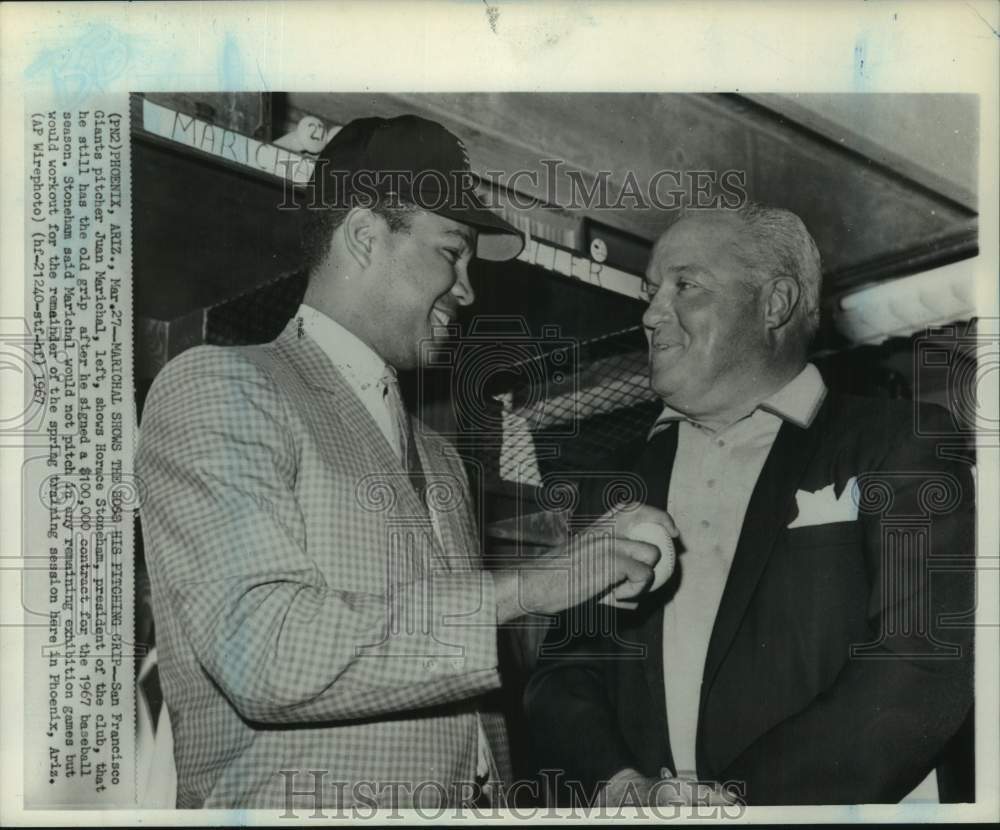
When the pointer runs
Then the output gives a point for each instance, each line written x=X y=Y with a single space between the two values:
x=440 y=333
x=427 y=354
x=428 y=338
x=663 y=379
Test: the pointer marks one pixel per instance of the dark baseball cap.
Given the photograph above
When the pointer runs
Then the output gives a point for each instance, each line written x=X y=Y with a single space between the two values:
x=420 y=162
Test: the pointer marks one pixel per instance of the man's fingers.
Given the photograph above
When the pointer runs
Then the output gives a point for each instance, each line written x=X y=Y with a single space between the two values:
x=690 y=792
x=671 y=792
x=637 y=577
x=638 y=513
x=640 y=551
x=710 y=794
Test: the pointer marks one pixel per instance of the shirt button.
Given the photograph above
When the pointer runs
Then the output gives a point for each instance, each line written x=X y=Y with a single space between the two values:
x=721 y=443
x=710 y=482
x=705 y=523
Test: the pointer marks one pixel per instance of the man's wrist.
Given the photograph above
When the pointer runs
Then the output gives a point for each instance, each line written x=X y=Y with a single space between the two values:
x=507 y=596
x=614 y=791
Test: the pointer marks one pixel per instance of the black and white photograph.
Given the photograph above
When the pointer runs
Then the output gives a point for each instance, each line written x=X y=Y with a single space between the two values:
x=507 y=445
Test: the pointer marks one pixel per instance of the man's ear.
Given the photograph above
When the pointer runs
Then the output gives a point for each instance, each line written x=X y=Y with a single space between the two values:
x=359 y=235
x=780 y=302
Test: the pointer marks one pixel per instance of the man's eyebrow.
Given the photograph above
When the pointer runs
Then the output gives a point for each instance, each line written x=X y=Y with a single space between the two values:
x=465 y=234
x=676 y=270
x=687 y=270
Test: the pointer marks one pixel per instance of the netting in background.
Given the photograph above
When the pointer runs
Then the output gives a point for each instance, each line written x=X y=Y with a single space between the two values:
x=583 y=427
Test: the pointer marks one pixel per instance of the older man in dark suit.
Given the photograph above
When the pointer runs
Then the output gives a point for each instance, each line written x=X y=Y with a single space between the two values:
x=801 y=647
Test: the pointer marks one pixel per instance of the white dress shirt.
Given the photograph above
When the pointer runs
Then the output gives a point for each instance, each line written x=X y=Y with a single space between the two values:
x=714 y=475
x=365 y=373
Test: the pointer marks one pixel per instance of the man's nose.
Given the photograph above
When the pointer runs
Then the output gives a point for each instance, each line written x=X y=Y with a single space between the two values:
x=657 y=312
x=462 y=289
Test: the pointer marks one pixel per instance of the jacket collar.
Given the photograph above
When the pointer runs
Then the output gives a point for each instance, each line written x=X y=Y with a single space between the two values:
x=768 y=513
x=358 y=362
x=655 y=462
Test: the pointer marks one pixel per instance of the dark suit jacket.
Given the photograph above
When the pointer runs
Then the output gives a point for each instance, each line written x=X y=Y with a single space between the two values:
x=833 y=673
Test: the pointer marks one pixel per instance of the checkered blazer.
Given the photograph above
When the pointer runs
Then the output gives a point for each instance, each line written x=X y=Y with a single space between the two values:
x=311 y=628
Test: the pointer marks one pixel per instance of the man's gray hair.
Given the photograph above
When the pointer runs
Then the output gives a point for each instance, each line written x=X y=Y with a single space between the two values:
x=775 y=243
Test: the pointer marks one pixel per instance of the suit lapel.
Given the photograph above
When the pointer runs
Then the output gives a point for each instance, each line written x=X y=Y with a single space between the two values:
x=655 y=465
x=448 y=497
x=768 y=513
x=316 y=370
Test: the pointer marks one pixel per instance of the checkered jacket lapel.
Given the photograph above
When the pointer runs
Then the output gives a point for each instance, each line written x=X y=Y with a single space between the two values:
x=360 y=433
x=448 y=495
x=443 y=468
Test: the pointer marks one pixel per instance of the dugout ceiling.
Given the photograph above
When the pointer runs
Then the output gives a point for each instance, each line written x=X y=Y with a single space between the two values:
x=880 y=180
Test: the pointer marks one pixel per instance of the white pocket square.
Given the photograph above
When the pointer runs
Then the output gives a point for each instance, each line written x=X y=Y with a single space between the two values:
x=823 y=507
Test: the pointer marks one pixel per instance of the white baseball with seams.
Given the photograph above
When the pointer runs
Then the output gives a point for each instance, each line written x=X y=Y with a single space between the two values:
x=653 y=534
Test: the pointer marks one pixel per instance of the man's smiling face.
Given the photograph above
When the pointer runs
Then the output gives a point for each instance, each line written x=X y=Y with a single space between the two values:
x=422 y=280
x=704 y=322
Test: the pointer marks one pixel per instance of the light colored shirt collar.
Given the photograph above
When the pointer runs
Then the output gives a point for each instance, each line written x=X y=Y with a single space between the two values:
x=352 y=356
x=797 y=401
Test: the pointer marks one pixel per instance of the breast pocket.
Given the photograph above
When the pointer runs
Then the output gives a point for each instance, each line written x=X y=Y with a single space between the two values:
x=814 y=601
x=828 y=535
x=824 y=563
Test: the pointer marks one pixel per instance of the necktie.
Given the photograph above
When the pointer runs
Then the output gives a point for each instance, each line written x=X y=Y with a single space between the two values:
x=404 y=430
